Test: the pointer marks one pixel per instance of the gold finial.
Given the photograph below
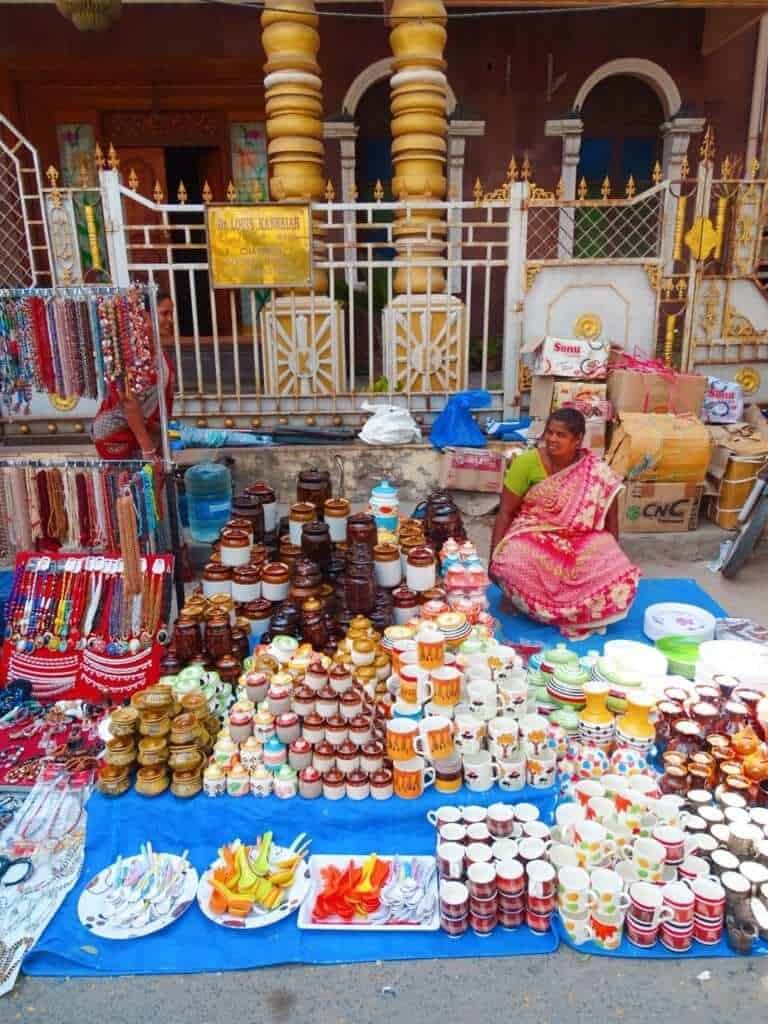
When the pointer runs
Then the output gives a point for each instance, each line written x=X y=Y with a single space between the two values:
x=512 y=172
x=181 y=194
x=582 y=190
x=681 y=288
x=157 y=193
x=685 y=169
x=330 y=191
x=53 y=177
x=231 y=192
x=605 y=191
x=207 y=194
x=656 y=173
x=98 y=157
x=631 y=190
x=85 y=178
x=378 y=191
x=707 y=151
x=560 y=190
x=525 y=172
x=477 y=191
x=726 y=169
x=667 y=286
x=133 y=180
x=754 y=168
x=113 y=161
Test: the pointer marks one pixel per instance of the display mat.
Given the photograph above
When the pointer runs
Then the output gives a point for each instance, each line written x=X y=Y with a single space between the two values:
x=194 y=944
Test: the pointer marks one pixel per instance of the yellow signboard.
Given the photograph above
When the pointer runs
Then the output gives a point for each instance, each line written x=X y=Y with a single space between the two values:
x=260 y=245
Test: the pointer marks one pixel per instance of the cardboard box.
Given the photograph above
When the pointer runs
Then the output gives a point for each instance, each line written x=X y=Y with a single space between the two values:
x=659 y=508
x=472 y=469
x=548 y=394
x=660 y=448
x=679 y=393
x=569 y=357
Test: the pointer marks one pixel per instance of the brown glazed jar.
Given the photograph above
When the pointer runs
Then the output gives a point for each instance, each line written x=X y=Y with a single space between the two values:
x=360 y=590
x=218 y=636
x=314 y=630
x=275 y=581
x=336 y=513
x=239 y=523
x=361 y=529
x=316 y=544
x=289 y=553
x=235 y=548
x=405 y=604
x=246 y=584
x=300 y=513
x=187 y=639
x=314 y=485
x=241 y=647
x=266 y=495
x=248 y=506
x=217 y=579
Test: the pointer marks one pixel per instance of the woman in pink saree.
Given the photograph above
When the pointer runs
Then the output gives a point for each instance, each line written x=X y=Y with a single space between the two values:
x=554 y=550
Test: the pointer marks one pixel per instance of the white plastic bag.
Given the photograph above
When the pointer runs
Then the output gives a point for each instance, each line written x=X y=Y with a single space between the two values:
x=389 y=424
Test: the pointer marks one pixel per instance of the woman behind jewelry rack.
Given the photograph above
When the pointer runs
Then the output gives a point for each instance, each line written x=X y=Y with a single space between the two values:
x=127 y=426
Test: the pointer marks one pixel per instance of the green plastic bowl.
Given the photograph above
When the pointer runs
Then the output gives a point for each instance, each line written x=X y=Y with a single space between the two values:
x=681 y=654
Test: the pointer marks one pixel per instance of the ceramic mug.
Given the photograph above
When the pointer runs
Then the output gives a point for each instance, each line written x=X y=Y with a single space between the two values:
x=415 y=686
x=577 y=926
x=600 y=809
x=530 y=849
x=680 y=900
x=503 y=737
x=512 y=773
x=676 y=843
x=647 y=856
x=446 y=686
x=483 y=699
x=541 y=770
x=608 y=887
x=444 y=816
x=501 y=820
x=592 y=843
x=709 y=897
x=513 y=696
x=535 y=731
x=646 y=904
x=574 y=893
x=510 y=877
x=401 y=739
x=412 y=777
x=480 y=771
x=693 y=867
x=563 y=856
x=567 y=814
x=469 y=733
x=606 y=929
x=452 y=832
x=585 y=789
x=435 y=739
x=450 y=860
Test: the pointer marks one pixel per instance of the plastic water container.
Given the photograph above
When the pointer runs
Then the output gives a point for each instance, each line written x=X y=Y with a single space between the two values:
x=209 y=499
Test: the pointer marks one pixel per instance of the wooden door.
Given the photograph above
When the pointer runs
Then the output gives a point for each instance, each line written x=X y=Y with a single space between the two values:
x=146 y=165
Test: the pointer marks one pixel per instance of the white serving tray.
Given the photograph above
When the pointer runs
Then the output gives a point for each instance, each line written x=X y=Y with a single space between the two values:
x=340 y=860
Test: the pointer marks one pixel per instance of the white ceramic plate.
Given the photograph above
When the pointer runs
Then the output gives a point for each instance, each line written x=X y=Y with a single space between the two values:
x=671 y=619
x=102 y=917
x=292 y=899
x=340 y=861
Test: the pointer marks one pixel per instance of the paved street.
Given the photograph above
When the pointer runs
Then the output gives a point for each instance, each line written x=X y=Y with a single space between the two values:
x=539 y=990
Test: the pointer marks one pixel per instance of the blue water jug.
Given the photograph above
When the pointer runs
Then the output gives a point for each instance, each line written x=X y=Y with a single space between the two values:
x=209 y=499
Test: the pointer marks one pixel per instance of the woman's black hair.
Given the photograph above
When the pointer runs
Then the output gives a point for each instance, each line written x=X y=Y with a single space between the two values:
x=572 y=420
x=162 y=294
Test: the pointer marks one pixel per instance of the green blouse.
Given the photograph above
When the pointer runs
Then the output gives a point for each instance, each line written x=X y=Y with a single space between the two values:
x=524 y=471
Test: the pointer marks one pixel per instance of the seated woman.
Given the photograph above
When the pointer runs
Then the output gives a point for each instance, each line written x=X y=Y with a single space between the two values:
x=554 y=550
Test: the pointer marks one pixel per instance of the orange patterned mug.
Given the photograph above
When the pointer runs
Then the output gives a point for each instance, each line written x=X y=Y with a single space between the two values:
x=412 y=777
x=435 y=740
x=446 y=684
x=401 y=736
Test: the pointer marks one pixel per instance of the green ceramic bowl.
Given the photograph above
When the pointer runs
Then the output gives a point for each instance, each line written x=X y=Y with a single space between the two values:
x=681 y=653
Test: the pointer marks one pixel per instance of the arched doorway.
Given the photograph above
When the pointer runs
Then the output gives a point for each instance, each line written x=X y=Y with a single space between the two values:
x=373 y=157
x=622 y=116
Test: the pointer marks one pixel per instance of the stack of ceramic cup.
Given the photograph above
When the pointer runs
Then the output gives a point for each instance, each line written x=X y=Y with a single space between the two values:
x=493 y=868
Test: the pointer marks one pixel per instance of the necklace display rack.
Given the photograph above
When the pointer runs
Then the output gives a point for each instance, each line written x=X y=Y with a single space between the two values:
x=81 y=341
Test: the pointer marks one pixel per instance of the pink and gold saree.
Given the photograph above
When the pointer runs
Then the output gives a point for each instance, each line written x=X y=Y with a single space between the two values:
x=557 y=563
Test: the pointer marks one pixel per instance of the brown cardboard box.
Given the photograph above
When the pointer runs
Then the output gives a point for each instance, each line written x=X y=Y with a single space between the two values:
x=549 y=393
x=569 y=357
x=659 y=508
x=660 y=448
x=472 y=469
x=679 y=393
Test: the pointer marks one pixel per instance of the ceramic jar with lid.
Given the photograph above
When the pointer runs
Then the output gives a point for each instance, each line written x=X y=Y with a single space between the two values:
x=314 y=728
x=361 y=529
x=256 y=685
x=347 y=757
x=388 y=568
x=286 y=783
x=268 y=502
x=235 y=549
x=316 y=676
x=358 y=785
x=303 y=701
x=259 y=614
x=324 y=756
x=248 y=506
x=246 y=584
x=300 y=513
x=334 y=784
x=287 y=726
x=326 y=702
x=360 y=730
x=360 y=587
x=251 y=753
x=217 y=579
x=187 y=638
x=279 y=694
x=351 y=704
x=336 y=730
x=336 y=512
x=275 y=581
x=239 y=523
x=316 y=544
x=263 y=725
x=372 y=756
x=300 y=753
x=261 y=781
x=228 y=667
x=313 y=485
x=274 y=754
x=240 y=723
x=218 y=636
x=310 y=783
x=214 y=780
x=421 y=569
x=340 y=679
x=405 y=605
x=381 y=784
x=385 y=506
